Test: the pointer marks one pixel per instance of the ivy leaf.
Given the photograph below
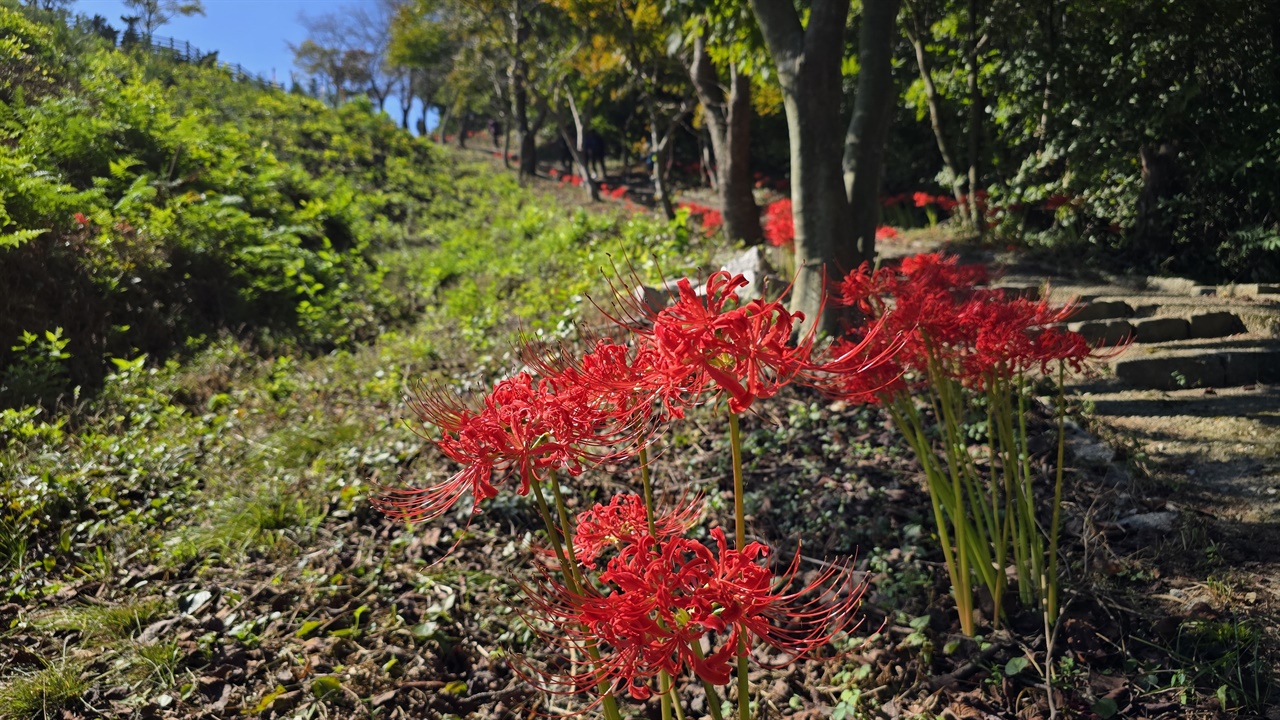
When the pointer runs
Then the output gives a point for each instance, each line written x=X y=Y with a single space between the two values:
x=1015 y=666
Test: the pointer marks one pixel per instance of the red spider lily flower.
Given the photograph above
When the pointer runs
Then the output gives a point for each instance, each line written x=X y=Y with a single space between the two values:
x=922 y=199
x=746 y=350
x=624 y=522
x=621 y=380
x=948 y=323
x=81 y=219
x=885 y=232
x=619 y=192
x=779 y=225
x=660 y=598
x=526 y=427
x=712 y=221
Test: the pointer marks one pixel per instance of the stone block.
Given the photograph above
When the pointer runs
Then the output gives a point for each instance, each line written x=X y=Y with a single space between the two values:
x=753 y=265
x=1028 y=292
x=1105 y=332
x=1246 y=367
x=1173 y=372
x=1155 y=330
x=1181 y=286
x=1103 y=310
x=1216 y=324
x=1255 y=289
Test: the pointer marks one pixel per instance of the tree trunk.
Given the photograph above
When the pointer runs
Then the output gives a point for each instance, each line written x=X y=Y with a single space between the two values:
x=868 y=129
x=1161 y=180
x=463 y=126
x=975 y=121
x=915 y=34
x=406 y=102
x=729 y=125
x=446 y=114
x=658 y=146
x=517 y=78
x=506 y=147
x=808 y=62
x=593 y=190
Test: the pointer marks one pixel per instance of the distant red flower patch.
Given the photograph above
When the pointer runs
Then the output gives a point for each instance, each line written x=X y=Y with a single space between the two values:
x=779 y=226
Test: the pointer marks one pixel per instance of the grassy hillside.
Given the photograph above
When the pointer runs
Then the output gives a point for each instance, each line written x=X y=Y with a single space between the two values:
x=147 y=206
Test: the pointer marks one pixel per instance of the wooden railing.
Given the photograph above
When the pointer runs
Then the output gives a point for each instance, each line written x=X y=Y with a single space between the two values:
x=184 y=51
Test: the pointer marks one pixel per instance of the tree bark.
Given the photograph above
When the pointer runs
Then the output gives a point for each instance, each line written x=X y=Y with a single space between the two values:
x=406 y=102
x=728 y=123
x=446 y=114
x=593 y=190
x=868 y=130
x=517 y=76
x=808 y=61
x=658 y=146
x=975 y=121
x=915 y=34
x=464 y=125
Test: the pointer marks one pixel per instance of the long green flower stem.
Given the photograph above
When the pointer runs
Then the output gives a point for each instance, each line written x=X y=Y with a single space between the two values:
x=609 y=703
x=740 y=536
x=1056 y=524
x=713 y=697
x=900 y=410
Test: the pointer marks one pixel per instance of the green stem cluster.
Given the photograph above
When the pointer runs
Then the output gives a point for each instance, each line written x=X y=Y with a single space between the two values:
x=986 y=521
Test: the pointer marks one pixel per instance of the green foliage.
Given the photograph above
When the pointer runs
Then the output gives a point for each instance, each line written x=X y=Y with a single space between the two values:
x=43 y=693
x=38 y=368
x=147 y=202
x=517 y=263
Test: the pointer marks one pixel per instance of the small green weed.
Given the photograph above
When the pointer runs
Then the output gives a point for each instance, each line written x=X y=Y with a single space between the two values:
x=1228 y=658
x=157 y=663
x=103 y=623
x=43 y=693
x=260 y=519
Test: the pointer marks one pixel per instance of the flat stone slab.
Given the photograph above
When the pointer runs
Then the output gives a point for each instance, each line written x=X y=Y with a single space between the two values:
x=1254 y=289
x=1189 y=369
x=1156 y=330
x=1173 y=372
x=1026 y=292
x=1181 y=286
x=1216 y=324
x=1102 y=310
x=1103 y=332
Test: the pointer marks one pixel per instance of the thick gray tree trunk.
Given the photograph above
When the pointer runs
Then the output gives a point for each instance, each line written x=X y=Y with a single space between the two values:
x=808 y=60
x=728 y=123
x=868 y=130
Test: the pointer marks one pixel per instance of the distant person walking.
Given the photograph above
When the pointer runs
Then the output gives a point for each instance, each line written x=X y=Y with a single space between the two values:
x=493 y=131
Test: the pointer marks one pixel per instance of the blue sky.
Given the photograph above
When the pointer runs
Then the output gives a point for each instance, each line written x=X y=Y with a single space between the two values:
x=254 y=33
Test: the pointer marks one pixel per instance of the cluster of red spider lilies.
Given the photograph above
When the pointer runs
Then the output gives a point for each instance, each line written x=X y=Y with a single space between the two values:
x=632 y=603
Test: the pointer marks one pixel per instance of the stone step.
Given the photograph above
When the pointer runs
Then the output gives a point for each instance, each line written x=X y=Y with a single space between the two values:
x=1200 y=365
x=1159 y=329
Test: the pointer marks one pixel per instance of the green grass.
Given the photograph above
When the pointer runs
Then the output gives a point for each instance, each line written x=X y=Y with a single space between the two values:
x=1229 y=659
x=156 y=663
x=105 y=623
x=42 y=693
